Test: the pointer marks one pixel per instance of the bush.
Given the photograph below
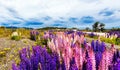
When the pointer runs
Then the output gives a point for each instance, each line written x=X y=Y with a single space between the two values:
x=17 y=38
x=118 y=41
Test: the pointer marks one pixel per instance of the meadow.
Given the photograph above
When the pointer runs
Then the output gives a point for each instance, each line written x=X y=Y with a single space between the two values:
x=58 y=49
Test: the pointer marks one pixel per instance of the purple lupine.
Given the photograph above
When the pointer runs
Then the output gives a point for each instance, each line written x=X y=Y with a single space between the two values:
x=92 y=34
x=34 y=34
x=89 y=64
x=63 y=65
x=84 y=67
x=114 y=60
x=93 y=45
x=53 y=64
x=34 y=62
x=102 y=47
x=69 y=32
x=98 y=57
x=118 y=65
x=118 y=53
x=79 y=33
x=73 y=65
x=74 y=59
x=88 y=61
x=97 y=46
x=14 y=67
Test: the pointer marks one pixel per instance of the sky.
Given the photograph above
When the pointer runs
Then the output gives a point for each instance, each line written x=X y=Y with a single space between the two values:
x=59 y=13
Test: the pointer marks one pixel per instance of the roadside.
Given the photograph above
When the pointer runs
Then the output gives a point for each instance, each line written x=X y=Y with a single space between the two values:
x=9 y=49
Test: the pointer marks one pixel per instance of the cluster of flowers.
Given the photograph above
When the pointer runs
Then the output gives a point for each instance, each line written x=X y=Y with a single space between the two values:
x=92 y=35
x=38 y=59
x=48 y=35
x=34 y=34
x=115 y=33
x=70 y=51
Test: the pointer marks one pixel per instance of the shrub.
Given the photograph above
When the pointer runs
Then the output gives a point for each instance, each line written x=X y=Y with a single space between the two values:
x=17 y=38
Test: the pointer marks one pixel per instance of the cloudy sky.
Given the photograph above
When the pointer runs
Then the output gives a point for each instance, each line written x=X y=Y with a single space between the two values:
x=60 y=13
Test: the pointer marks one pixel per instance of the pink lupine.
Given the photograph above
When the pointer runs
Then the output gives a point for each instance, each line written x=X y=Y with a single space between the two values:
x=92 y=57
x=82 y=39
x=69 y=51
x=66 y=59
x=81 y=59
x=105 y=61
x=78 y=57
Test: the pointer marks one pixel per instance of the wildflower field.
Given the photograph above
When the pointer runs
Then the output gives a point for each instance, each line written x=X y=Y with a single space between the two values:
x=24 y=49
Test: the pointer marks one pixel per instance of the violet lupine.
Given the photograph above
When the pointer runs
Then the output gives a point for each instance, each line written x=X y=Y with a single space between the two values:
x=80 y=33
x=14 y=67
x=63 y=65
x=34 y=34
x=93 y=45
x=25 y=62
x=105 y=62
x=118 y=65
x=98 y=57
x=69 y=32
x=102 y=47
x=89 y=64
x=97 y=46
x=73 y=65
x=70 y=51
x=88 y=61
x=92 y=34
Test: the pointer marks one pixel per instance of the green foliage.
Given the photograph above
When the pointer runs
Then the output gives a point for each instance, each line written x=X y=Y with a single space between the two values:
x=17 y=38
x=115 y=41
x=41 y=42
x=118 y=41
x=115 y=29
x=5 y=32
x=87 y=29
x=49 y=50
x=24 y=32
x=97 y=26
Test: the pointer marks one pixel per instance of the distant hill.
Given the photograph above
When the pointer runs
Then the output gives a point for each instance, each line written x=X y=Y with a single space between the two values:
x=47 y=28
x=13 y=27
x=44 y=28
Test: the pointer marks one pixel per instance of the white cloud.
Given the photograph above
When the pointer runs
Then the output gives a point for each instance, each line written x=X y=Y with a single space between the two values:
x=27 y=9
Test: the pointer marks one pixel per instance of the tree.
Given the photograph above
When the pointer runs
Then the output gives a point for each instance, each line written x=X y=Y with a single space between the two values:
x=97 y=26
x=102 y=27
x=87 y=29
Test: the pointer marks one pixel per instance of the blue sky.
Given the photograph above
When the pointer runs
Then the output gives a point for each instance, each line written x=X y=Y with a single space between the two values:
x=59 y=13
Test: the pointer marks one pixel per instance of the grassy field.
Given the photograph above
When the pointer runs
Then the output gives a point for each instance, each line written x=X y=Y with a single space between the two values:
x=9 y=47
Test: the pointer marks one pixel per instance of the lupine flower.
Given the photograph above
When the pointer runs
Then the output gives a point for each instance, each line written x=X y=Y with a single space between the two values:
x=34 y=34
x=92 y=58
x=69 y=51
x=93 y=45
x=102 y=47
x=92 y=34
x=14 y=67
x=105 y=62
x=98 y=57
x=73 y=64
